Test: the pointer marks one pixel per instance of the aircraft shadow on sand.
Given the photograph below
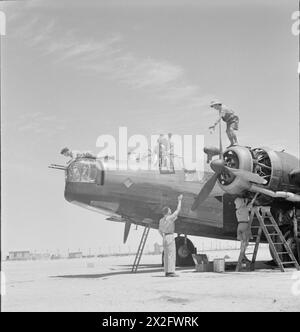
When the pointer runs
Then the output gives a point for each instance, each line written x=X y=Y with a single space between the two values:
x=152 y=268
x=145 y=268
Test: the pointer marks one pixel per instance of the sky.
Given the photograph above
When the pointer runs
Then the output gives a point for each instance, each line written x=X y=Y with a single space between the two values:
x=74 y=70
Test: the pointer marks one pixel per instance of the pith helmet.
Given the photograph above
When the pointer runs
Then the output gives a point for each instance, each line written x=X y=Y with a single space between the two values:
x=64 y=150
x=215 y=102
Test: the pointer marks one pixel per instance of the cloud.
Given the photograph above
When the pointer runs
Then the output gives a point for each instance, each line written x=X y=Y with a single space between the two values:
x=168 y=81
x=111 y=58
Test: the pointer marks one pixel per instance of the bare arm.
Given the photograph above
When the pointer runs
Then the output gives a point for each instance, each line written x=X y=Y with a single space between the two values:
x=175 y=214
x=250 y=205
x=213 y=127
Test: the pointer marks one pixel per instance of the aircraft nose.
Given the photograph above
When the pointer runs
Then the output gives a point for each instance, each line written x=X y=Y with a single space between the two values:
x=217 y=165
x=84 y=176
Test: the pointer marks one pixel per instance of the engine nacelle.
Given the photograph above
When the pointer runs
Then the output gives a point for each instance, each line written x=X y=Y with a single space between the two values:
x=275 y=167
x=238 y=157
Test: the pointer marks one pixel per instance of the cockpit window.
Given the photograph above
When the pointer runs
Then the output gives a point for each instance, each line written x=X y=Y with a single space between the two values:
x=82 y=170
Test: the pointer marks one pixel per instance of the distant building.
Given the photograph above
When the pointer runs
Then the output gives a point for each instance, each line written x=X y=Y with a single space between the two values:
x=55 y=256
x=77 y=254
x=40 y=256
x=19 y=255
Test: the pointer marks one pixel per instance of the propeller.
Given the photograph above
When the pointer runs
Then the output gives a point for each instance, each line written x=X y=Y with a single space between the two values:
x=219 y=167
x=211 y=151
x=247 y=176
x=205 y=191
x=126 y=230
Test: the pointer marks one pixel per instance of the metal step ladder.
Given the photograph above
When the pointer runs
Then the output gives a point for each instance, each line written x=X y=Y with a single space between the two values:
x=268 y=226
x=140 y=250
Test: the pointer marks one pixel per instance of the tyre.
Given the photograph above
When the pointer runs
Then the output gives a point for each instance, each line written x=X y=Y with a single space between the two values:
x=183 y=252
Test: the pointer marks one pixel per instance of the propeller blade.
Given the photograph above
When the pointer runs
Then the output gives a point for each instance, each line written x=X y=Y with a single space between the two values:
x=126 y=230
x=217 y=166
x=205 y=191
x=211 y=151
x=245 y=175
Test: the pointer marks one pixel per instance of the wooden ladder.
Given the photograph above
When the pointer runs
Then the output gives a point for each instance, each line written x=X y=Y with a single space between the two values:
x=269 y=227
x=140 y=250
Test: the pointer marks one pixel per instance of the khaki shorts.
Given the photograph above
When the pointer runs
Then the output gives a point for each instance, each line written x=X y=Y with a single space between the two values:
x=233 y=124
x=244 y=232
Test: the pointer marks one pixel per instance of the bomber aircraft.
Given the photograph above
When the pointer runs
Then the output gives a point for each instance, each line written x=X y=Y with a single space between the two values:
x=138 y=196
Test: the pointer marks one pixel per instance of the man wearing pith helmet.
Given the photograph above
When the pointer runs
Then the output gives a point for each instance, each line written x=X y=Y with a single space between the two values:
x=229 y=117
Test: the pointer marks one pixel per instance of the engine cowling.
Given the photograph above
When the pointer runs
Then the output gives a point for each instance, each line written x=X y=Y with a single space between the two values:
x=237 y=157
x=275 y=167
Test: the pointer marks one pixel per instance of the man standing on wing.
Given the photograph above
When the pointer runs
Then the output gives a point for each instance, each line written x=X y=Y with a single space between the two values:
x=230 y=118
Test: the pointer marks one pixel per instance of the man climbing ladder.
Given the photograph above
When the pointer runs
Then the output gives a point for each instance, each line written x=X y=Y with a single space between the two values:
x=243 y=207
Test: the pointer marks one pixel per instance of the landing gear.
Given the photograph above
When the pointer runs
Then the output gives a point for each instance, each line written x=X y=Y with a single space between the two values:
x=184 y=251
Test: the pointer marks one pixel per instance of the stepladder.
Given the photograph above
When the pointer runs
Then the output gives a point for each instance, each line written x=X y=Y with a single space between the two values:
x=262 y=224
x=140 y=250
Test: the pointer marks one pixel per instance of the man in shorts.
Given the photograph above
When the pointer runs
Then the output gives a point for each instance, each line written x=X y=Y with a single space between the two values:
x=244 y=234
x=230 y=118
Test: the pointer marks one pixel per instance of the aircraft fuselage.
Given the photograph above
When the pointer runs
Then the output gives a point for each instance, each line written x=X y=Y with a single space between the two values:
x=139 y=196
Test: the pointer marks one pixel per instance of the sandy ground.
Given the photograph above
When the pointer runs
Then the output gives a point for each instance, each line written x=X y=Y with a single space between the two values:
x=106 y=284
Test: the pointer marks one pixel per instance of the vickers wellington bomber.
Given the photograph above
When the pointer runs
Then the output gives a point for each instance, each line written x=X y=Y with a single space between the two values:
x=138 y=196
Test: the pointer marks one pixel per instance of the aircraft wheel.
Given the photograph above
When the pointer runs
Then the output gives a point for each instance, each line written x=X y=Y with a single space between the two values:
x=183 y=252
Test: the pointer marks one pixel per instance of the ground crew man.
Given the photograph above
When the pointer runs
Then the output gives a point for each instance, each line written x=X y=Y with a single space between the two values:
x=162 y=150
x=170 y=152
x=166 y=229
x=231 y=119
x=70 y=153
x=73 y=154
x=244 y=234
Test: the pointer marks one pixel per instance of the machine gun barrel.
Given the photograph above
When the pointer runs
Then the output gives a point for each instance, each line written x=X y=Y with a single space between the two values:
x=60 y=167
